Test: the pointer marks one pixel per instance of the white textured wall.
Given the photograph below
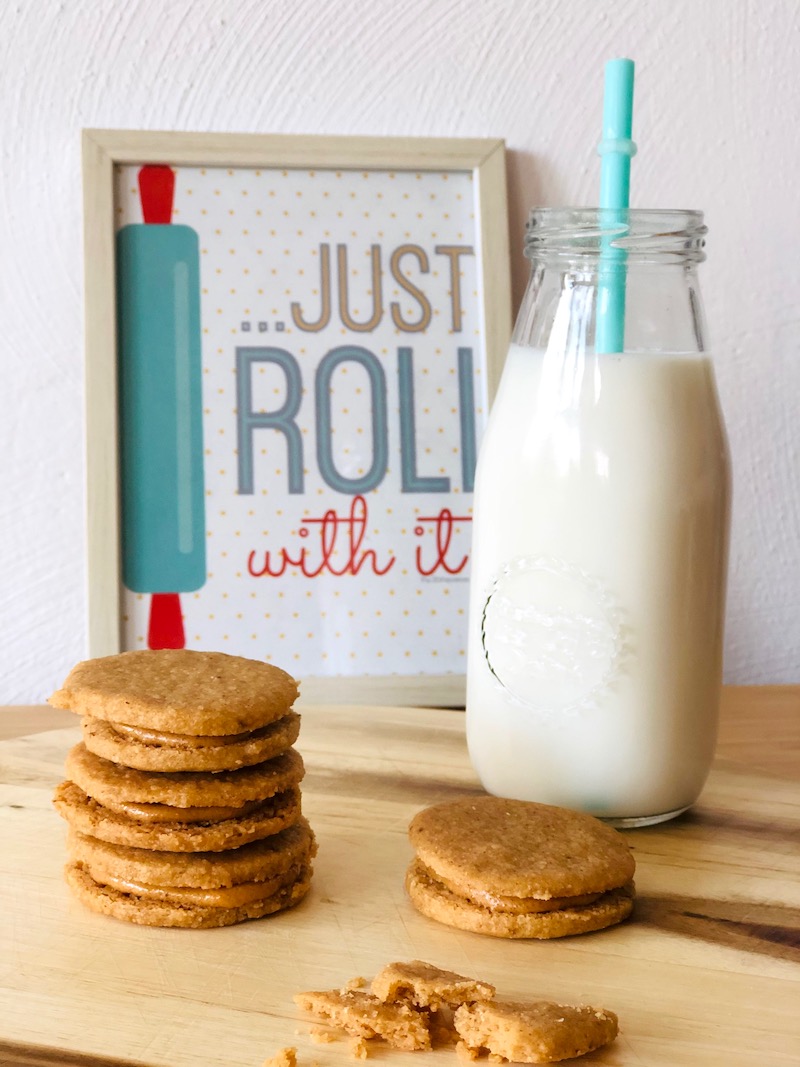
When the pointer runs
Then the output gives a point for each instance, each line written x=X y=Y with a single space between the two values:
x=718 y=96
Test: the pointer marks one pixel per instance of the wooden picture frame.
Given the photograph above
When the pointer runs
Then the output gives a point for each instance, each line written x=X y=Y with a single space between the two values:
x=106 y=154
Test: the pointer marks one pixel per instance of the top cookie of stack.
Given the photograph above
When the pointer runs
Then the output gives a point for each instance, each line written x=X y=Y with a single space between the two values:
x=176 y=710
x=183 y=799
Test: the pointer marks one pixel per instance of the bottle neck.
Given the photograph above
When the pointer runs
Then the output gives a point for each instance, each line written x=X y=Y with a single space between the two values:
x=613 y=281
x=641 y=236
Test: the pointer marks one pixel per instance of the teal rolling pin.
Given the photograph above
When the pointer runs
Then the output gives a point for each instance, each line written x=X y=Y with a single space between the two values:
x=160 y=408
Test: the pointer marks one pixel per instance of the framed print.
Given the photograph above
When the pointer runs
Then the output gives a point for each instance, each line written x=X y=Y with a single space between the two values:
x=291 y=347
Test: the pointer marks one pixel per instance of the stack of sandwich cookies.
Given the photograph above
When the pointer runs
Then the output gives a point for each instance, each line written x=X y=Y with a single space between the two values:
x=183 y=798
x=514 y=869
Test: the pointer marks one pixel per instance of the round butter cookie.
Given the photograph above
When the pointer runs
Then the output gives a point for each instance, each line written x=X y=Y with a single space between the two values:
x=108 y=782
x=155 y=750
x=137 y=904
x=179 y=691
x=434 y=900
x=515 y=848
x=161 y=827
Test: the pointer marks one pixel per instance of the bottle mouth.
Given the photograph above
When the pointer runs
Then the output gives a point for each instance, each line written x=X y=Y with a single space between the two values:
x=644 y=234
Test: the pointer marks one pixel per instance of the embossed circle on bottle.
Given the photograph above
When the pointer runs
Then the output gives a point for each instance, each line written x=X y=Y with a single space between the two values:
x=551 y=634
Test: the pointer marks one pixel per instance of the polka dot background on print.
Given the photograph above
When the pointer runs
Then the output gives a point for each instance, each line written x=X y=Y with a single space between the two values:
x=261 y=235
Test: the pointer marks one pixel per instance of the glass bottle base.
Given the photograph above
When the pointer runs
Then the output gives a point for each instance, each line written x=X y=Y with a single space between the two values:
x=634 y=821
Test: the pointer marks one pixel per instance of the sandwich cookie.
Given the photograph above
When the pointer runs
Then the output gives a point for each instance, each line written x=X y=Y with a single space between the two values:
x=186 y=811
x=156 y=888
x=511 y=868
x=157 y=750
x=108 y=782
x=173 y=829
x=179 y=691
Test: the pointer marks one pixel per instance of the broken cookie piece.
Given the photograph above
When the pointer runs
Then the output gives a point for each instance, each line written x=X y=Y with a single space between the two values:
x=418 y=1006
x=425 y=986
x=537 y=1032
x=364 y=1015
x=287 y=1057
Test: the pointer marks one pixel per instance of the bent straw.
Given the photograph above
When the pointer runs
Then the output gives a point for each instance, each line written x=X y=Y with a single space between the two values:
x=615 y=150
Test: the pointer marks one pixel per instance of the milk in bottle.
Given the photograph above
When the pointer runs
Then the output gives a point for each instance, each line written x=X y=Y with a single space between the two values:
x=600 y=534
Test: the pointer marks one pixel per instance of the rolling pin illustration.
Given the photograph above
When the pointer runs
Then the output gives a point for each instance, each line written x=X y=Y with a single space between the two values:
x=161 y=411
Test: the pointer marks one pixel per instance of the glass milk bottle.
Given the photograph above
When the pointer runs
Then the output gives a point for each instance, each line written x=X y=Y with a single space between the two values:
x=600 y=530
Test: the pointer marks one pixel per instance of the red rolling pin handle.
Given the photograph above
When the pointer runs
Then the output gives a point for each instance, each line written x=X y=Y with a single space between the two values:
x=166 y=622
x=156 y=192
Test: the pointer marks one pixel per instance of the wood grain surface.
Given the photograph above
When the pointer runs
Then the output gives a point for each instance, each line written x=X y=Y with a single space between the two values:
x=706 y=974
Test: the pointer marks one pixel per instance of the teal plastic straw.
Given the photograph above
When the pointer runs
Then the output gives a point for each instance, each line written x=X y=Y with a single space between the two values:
x=615 y=150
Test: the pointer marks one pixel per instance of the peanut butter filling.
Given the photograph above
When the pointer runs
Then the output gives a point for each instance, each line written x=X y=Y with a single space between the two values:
x=161 y=737
x=163 y=813
x=514 y=905
x=231 y=897
x=527 y=905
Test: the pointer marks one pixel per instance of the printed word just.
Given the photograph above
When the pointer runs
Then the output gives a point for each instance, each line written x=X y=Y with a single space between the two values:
x=399 y=271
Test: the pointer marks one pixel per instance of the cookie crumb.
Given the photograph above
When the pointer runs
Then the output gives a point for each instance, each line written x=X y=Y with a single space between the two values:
x=359 y=1049
x=287 y=1057
x=322 y=1037
x=466 y=1052
x=354 y=983
x=442 y=1034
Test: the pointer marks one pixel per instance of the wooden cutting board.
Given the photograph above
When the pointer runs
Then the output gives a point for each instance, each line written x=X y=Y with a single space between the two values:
x=706 y=973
